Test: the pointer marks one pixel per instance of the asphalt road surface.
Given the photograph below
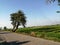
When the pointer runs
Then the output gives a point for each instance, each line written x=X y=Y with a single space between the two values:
x=20 y=39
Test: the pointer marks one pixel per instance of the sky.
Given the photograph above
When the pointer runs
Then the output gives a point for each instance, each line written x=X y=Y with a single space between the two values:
x=38 y=12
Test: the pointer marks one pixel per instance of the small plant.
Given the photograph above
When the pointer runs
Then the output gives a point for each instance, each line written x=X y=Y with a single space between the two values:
x=33 y=34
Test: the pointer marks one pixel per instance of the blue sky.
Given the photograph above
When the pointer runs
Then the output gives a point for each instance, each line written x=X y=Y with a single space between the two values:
x=38 y=12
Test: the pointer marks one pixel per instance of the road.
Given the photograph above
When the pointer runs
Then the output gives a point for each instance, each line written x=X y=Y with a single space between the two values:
x=20 y=39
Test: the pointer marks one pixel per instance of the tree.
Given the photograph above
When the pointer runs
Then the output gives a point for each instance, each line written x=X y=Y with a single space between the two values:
x=18 y=19
x=49 y=1
x=5 y=27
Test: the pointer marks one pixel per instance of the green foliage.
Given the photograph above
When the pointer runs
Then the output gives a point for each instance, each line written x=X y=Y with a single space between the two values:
x=58 y=11
x=50 y=1
x=41 y=29
x=5 y=28
x=53 y=34
x=18 y=19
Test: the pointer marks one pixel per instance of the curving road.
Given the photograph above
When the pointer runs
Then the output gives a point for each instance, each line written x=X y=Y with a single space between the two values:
x=20 y=39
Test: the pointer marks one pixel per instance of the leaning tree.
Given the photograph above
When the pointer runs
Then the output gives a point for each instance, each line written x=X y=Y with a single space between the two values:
x=18 y=19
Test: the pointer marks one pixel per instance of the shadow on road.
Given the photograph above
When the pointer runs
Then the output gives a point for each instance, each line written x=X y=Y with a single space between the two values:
x=14 y=43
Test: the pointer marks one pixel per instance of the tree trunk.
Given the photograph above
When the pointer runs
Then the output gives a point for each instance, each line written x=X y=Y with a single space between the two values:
x=13 y=28
x=16 y=28
x=23 y=25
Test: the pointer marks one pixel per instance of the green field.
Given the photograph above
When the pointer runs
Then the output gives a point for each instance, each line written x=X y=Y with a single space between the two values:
x=51 y=32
